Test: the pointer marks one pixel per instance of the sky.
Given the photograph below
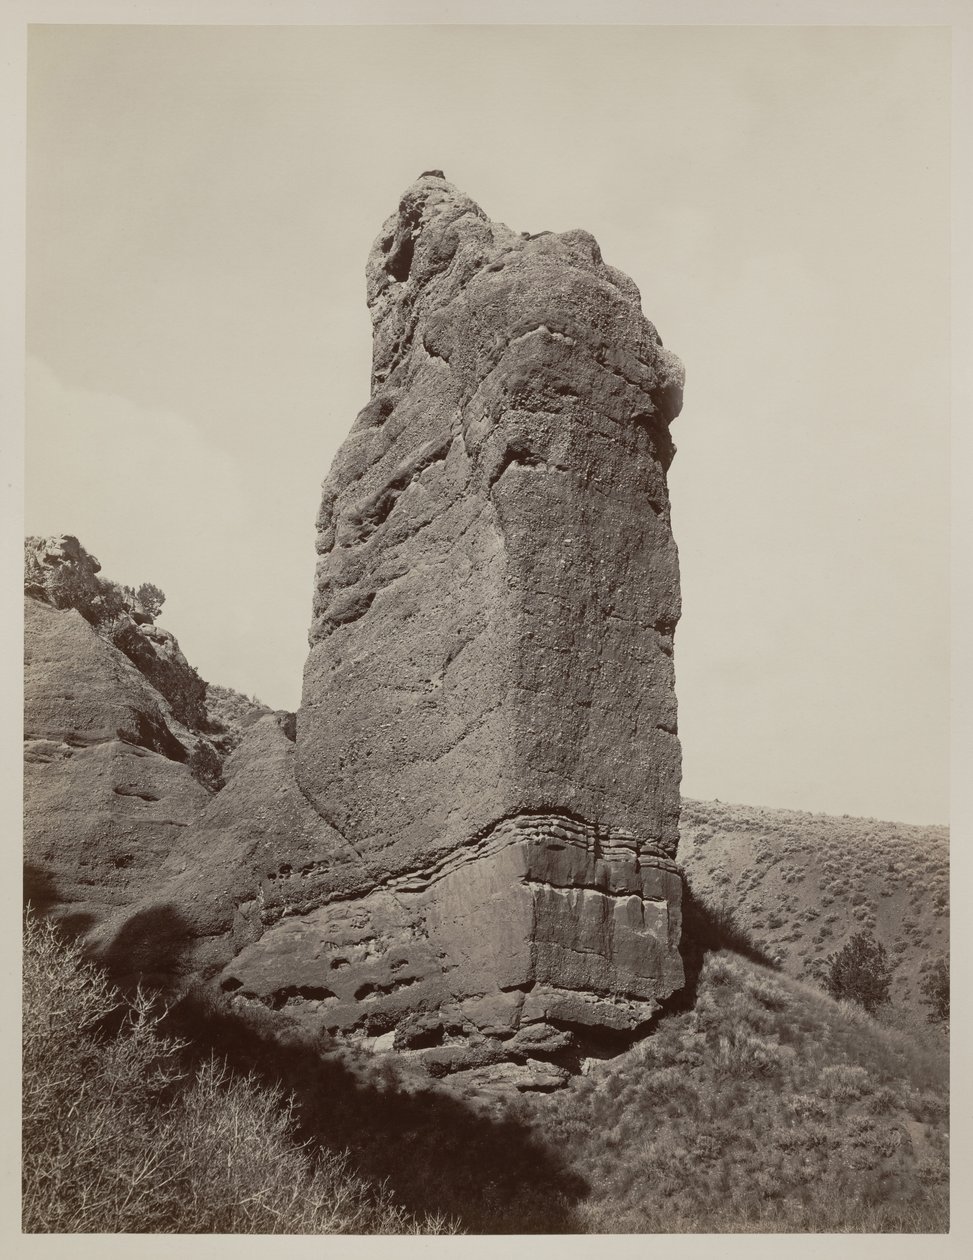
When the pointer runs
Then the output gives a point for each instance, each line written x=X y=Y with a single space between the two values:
x=200 y=205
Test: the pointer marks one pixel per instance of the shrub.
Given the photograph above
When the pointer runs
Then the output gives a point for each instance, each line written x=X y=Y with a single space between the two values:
x=860 y=972
x=205 y=766
x=807 y=1107
x=119 y=1136
x=151 y=597
x=935 y=992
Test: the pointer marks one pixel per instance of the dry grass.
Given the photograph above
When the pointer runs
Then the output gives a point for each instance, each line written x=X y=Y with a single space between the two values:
x=756 y=1104
x=763 y=1106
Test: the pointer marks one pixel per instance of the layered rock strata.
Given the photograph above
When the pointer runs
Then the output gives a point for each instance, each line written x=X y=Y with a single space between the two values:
x=489 y=717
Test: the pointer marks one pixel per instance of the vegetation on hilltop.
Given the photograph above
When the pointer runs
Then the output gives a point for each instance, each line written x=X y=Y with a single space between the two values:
x=61 y=572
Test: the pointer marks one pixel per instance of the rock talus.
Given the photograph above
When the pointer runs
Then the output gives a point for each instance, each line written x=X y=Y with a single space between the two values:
x=488 y=719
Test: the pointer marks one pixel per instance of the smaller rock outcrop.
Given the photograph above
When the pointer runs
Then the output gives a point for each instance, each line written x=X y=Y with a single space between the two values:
x=58 y=571
x=107 y=787
x=231 y=714
x=121 y=753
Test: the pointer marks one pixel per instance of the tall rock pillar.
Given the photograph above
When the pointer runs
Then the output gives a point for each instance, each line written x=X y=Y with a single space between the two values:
x=489 y=716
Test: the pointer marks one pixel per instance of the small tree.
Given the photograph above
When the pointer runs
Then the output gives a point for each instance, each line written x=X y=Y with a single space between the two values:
x=205 y=766
x=151 y=597
x=935 y=992
x=860 y=972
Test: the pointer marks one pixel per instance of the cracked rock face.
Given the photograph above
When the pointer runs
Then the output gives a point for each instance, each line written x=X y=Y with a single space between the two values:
x=489 y=718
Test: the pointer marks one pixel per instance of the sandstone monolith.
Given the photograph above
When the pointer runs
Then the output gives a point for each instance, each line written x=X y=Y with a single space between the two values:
x=489 y=718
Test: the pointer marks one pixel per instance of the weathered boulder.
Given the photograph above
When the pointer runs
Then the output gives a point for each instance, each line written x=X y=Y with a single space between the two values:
x=60 y=572
x=489 y=718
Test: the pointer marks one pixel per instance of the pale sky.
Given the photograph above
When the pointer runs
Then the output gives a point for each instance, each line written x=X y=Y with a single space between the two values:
x=201 y=202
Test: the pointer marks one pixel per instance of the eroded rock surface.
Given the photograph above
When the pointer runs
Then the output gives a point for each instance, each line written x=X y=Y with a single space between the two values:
x=498 y=583
x=116 y=731
x=489 y=716
x=61 y=573
x=255 y=853
x=107 y=789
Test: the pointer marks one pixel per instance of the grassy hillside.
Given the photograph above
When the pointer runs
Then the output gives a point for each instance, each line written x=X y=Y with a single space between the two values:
x=799 y=885
x=764 y=1107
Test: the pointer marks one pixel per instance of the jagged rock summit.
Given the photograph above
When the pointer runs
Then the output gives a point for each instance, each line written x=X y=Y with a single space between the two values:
x=488 y=720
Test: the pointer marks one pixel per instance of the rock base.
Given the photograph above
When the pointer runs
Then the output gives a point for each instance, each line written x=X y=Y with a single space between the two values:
x=522 y=945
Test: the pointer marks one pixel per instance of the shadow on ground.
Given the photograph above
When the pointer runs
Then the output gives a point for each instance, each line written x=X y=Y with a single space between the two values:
x=705 y=929
x=438 y=1153
x=43 y=896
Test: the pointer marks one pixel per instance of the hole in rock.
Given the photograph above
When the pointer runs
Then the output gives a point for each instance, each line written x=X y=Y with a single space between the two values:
x=400 y=262
x=298 y=992
x=380 y=990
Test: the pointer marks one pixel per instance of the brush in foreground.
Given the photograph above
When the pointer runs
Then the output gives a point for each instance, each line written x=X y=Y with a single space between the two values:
x=119 y=1137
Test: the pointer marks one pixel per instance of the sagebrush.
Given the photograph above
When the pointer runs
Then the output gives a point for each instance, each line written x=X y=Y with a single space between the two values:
x=766 y=1107
x=119 y=1136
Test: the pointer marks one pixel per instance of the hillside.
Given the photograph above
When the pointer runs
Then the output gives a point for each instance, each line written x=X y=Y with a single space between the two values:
x=757 y=1104
x=124 y=742
x=799 y=885
x=764 y=1107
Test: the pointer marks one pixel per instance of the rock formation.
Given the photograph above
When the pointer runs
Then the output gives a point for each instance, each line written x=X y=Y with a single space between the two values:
x=467 y=855
x=114 y=720
x=489 y=719
x=59 y=572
